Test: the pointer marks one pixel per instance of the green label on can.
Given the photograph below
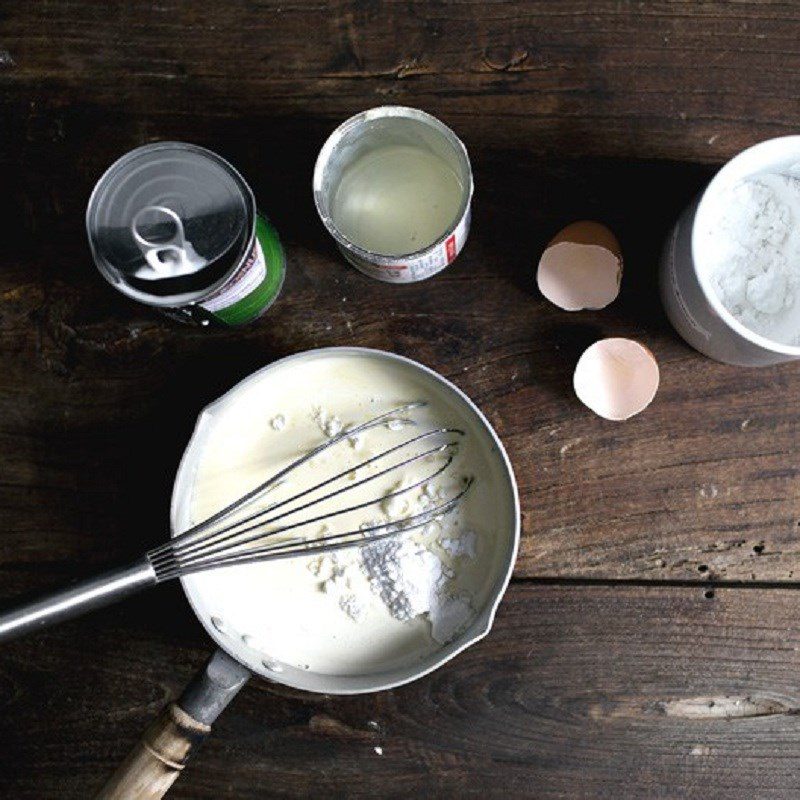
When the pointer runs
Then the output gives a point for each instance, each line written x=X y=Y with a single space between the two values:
x=252 y=289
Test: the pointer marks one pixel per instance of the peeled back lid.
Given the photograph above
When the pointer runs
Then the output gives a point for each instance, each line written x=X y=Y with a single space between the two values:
x=168 y=221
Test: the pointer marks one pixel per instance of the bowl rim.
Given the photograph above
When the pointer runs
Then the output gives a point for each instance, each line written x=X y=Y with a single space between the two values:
x=750 y=162
x=352 y=684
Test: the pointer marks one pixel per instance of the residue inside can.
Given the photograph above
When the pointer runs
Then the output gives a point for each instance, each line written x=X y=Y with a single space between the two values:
x=395 y=199
x=393 y=186
x=175 y=226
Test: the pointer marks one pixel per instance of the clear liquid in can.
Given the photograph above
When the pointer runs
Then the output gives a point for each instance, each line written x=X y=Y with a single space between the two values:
x=397 y=199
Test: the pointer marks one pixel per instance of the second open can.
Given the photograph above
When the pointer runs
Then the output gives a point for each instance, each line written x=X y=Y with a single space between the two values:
x=393 y=186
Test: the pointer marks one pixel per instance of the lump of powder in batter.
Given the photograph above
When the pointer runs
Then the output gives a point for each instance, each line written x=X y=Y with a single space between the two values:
x=403 y=574
x=410 y=581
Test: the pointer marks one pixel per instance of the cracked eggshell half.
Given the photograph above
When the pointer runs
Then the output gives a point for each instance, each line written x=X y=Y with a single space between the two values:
x=616 y=378
x=581 y=268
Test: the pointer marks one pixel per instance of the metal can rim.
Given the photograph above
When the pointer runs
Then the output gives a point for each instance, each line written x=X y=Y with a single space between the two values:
x=244 y=247
x=376 y=113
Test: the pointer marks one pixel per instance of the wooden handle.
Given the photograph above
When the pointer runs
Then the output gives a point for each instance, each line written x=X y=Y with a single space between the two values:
x=153 y=765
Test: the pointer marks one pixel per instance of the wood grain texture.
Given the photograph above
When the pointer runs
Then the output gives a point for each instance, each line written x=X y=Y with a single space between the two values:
x=603 y=692
x=99 y=395
x=603 y=110
x=682 y=80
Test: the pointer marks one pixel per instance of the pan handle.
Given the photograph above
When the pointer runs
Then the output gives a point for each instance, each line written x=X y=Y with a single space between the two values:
x=159 y=757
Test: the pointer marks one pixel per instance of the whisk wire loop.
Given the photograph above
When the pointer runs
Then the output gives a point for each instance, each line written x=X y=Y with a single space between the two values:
x=183 y=543
x=251 y=538
x=275 y=479
x=326 y=544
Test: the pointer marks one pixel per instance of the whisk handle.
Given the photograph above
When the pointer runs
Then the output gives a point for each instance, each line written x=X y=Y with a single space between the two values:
x=76 y=599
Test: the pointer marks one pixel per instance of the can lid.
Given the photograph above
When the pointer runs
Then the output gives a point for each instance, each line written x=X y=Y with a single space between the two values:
x=168 y=221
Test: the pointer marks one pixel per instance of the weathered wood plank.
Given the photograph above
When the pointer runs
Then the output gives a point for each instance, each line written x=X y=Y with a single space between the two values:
x=95 y=392
x=99 y=396
x=578 y=692
x=602 y=691
x=698 y=482
x=681 y=80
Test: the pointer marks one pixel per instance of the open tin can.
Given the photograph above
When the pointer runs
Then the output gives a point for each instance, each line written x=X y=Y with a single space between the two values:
x=175 y=226
x=393 y=186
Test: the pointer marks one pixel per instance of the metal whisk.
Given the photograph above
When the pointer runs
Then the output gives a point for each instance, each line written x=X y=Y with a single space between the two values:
x=235 y=535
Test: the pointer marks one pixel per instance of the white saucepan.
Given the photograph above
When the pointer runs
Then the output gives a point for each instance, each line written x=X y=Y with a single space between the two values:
x=157 y=760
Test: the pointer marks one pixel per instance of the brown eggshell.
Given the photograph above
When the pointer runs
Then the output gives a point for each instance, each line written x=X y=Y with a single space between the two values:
x=616 y=378
x=581 y=268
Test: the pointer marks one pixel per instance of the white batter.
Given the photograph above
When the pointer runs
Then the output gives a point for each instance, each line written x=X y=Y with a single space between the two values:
x=337 y=615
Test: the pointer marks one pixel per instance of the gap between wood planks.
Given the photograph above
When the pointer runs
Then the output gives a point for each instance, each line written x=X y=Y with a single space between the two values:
x=723 y=706
x=655 y=583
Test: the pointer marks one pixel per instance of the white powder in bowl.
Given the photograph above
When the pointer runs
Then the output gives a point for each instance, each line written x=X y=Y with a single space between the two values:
x=411 y=580
x=321 y=612
x=752 y=246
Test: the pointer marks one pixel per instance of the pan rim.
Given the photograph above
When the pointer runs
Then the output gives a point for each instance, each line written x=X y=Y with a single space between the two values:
x=369 y=682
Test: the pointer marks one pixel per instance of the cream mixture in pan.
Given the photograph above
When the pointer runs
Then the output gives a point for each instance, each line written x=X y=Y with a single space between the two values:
x=365 y=609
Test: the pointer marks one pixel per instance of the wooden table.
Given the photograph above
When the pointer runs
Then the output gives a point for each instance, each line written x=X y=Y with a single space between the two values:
x=649 y=645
